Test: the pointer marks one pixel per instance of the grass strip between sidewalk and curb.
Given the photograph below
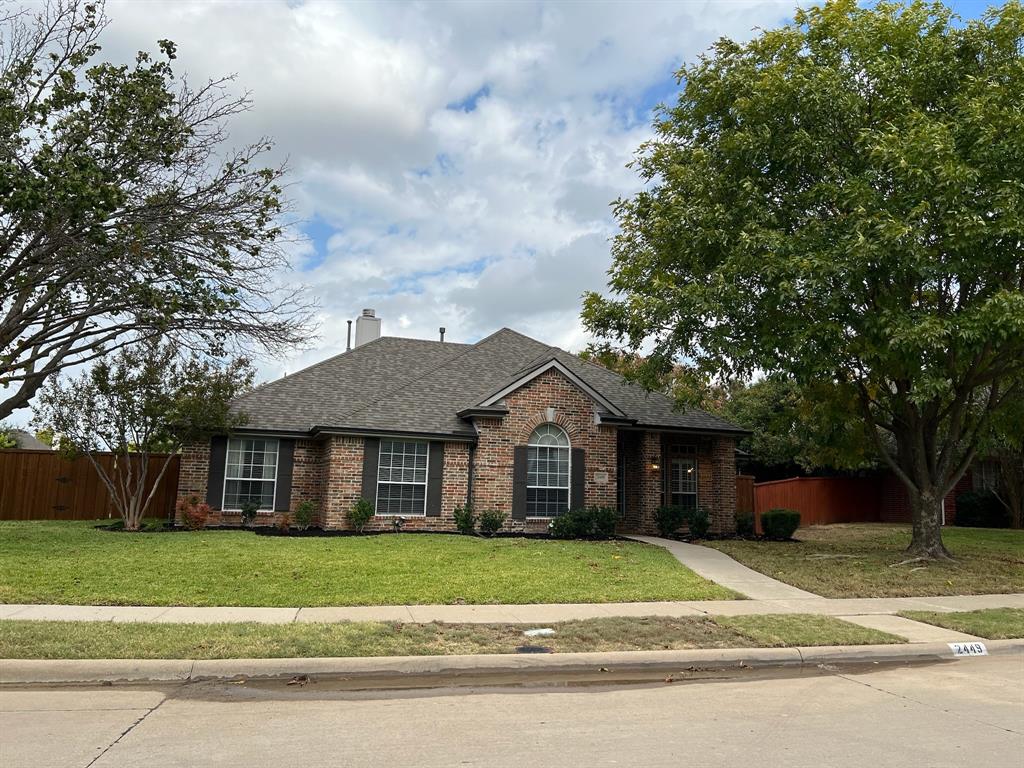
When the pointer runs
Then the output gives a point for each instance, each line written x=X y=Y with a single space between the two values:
x=990 y=623
x=109 y=640
x=74 y=563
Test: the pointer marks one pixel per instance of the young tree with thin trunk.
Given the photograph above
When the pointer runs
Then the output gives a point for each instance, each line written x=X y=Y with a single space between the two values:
x=841 y=201
x=123 y=214
x=144 y=400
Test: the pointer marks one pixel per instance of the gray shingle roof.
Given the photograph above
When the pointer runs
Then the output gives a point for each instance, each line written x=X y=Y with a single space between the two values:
x=409 y=385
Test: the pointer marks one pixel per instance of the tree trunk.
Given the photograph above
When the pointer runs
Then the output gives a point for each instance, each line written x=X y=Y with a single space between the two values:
x=927 y=527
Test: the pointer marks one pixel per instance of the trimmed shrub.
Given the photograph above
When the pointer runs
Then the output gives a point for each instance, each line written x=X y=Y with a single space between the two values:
x=744 y=525
x=193 y=512
x=249 y=510
x=981 y=509
x=669 y=519
x=491 y=521
x=699 y=520
x=584 y=523
x=779 y=524
x=465 y=520
x=360 y=514
x=304 y=514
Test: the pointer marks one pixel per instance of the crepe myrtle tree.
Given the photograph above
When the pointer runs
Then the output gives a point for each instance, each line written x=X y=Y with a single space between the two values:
x=145 y=399
x=841 y=200
x=123 y=214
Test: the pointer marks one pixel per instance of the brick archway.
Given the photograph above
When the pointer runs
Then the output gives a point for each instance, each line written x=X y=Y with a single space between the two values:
x=542 y=418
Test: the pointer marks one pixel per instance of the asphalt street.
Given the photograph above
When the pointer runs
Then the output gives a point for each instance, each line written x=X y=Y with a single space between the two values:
x=964 y=713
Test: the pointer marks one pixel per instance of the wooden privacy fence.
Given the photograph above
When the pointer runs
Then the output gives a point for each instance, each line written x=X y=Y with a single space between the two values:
x=879 y=497
x=42 y=485
x=821 y=500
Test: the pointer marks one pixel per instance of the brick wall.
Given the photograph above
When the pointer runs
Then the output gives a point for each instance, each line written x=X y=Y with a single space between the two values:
x=574 y=412
x=193 y=471
x=342 y=478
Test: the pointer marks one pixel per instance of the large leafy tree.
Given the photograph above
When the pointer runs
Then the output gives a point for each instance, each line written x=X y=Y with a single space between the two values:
x=123 y=215
x=842 y=201
x=143 y=400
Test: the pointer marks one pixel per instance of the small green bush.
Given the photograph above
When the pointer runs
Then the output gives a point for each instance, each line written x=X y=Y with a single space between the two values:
x=360 y=514
x=699 y=520
x=669 y=519
x=584 y=523
x=744 y=525
x=249 y=510
x=491 y=521
x=465 y=520
x=980 y=509
x=304 y=514
x=779 y=524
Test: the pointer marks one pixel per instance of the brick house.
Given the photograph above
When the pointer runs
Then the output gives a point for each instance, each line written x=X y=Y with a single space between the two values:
x=420 y=428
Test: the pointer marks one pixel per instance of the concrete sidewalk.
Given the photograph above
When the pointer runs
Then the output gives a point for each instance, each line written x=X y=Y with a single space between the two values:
x=723 y=570
x=539 y=613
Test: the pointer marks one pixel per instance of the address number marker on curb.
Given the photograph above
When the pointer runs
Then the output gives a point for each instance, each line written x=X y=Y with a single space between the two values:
x=968 y=649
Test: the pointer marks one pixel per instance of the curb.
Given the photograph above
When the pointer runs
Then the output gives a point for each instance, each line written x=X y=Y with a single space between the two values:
x=447 y=671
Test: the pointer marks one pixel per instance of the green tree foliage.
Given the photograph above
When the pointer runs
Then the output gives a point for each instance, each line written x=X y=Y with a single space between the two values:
x=841 y=201
x=145 y=399
x=793 y=425
x=123 y=215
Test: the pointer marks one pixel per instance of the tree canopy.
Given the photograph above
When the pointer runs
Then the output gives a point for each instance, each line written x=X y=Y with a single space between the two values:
x=841 y=201
x=123 y=214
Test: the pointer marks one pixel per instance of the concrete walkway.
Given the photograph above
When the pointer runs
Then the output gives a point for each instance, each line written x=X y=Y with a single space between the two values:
x=538 y=614
x=723 y=570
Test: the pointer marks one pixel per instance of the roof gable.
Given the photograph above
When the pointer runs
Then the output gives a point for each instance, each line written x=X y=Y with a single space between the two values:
x=548 y=365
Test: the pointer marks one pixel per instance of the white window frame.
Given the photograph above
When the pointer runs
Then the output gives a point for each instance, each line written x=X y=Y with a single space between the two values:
x=425 y=483
x=277 y=466
x=568 y=487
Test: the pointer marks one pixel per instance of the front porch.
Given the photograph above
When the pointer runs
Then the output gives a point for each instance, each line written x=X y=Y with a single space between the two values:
x=688 y=469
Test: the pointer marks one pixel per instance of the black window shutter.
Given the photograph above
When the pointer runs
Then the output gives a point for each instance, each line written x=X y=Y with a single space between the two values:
x=285 y=461
x=371 y=457
x=435 y=478
x=519 y=461
x=577 y=483
x=215 y=474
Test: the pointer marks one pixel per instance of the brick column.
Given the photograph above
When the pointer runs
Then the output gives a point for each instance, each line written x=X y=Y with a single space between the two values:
x=723 y=507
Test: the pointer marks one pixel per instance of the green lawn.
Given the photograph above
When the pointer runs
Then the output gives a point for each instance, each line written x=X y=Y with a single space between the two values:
x=74 y=563
x=990 y=623
x=107 y=640
x=862 y=560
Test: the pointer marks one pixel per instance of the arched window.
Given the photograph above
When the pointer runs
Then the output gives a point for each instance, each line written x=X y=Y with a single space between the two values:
x=547 y=472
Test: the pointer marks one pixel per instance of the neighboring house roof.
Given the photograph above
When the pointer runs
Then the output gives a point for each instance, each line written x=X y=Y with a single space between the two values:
x=26 y=441
x=414 y=386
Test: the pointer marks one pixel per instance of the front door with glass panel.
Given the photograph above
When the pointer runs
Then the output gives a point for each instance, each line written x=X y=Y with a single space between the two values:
x=682 y=477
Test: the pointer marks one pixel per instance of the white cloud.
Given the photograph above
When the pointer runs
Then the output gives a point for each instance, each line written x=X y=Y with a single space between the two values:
x=471 y=218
